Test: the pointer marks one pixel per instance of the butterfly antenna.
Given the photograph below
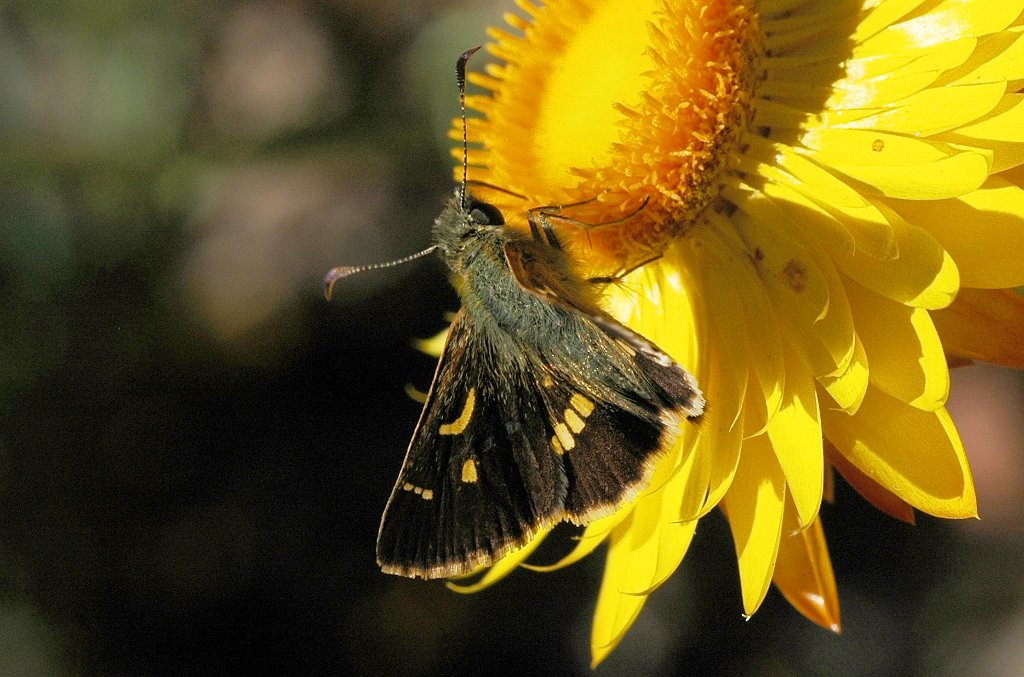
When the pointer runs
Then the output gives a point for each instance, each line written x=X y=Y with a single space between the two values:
x=460 y=77
x=336 y=274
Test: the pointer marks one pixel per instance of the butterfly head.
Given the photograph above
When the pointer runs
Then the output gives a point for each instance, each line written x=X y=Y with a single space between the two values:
x=464 y=221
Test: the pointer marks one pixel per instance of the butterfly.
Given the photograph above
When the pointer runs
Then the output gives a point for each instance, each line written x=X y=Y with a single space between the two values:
x=543 y=407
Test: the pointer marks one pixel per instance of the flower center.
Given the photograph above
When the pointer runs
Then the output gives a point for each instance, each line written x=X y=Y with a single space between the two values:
x=630 y=107
x=676 y=142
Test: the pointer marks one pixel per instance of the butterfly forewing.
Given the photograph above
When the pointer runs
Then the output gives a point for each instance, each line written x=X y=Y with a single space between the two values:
x=479 y=478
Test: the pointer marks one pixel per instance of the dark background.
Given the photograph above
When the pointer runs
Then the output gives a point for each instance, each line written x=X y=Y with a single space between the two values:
x=195 y=448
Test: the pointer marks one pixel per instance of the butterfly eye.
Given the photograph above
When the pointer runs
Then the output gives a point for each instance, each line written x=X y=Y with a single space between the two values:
x=486 y=214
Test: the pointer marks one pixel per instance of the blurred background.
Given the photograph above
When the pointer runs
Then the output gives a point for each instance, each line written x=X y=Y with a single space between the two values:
x=195 y=448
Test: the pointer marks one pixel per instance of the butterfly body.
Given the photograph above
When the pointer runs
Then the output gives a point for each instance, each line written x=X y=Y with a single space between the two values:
x=543 y=408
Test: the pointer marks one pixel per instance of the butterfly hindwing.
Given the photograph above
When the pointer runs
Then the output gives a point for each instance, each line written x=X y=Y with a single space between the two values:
x=479 y=478
x=539 y=271
x=608 y=453
x=613 y=453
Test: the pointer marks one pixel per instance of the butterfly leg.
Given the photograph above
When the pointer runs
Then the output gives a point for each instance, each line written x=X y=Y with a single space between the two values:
x=608 y=279
x=540 y=222
x=553 y=212
x=539 y=218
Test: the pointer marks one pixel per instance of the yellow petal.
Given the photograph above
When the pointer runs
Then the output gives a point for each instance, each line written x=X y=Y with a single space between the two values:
x=802 y=282
x=871 y=231
x=903 y=348
x=984 y=324
x=716 y=457
x=502 y=567
x=435 y=344
x=936 y=110
x=998 y=57
x=659 y=539
x=915 y=454
x=820 y=223
x=849 y=388
x=983 y=231
x=615 y=610
x=724 y=380
x=771 y=115
x=795 y=435
x=779 y=8
x=881 y=16
x=803 y=572
x=872 y=491
x=754 y=508
x=999 y=131
x=812 y=25
x=951 y=19
x=593 y=536
x=762 y=324
x=805 y=94
x=767 y=159
x=655 y=300
x=816 y=68
x=644 y=550
x=727 y=337
x=717 y=452
x=871 y=148
x=952 y=176
x=860 y=92
x=924 y=275
x=880 y=79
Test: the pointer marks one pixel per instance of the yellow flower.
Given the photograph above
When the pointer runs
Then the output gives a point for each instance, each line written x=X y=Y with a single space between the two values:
x=833 y=192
